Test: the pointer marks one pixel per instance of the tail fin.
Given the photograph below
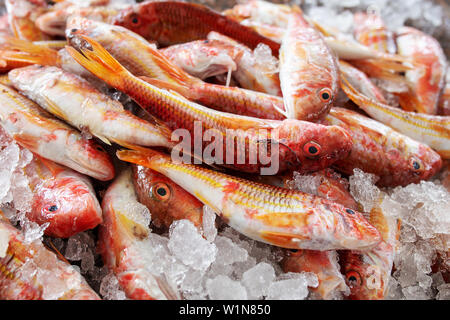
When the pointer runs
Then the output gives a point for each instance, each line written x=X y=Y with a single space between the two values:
x=97 y=60
x=17 y=50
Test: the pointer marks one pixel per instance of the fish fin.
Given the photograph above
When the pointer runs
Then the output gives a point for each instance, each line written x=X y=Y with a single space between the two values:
x=174 y=88
x=14 y=49
x=102 y=138
x=53 y=108
x=129 y=145
x=144 y=158
x=100 y=62
x=285 y=240
x=26 y=140
x=133 y=228
x=408 y=101
x=53 y=167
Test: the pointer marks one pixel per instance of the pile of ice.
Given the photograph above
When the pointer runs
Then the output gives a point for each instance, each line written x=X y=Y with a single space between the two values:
x=15 y=193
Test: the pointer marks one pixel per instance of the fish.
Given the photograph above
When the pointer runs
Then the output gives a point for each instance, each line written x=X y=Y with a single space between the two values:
x=37 y=130
x=371 y=31
x=308 y=70
x=444 y=102
x=367 y=273
x=277 y=216
x=62 y=198
x=203 y=58
x=431 y=130
x=122 y=242
x=143 y=59
x=74 y=100
x=29 y=271
x=54 y=21
x=166 y=200
x=303 y=145
x=256 y=70
x=362 y=82
x=324 y=264
x=427 y=78
x=165 y=22
x=22 y=15
x=395 y=158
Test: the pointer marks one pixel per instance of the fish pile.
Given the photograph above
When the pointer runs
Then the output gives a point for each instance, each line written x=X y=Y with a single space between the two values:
x=164 y=150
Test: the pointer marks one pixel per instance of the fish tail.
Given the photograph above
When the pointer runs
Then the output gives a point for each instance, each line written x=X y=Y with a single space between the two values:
x=18 y=50
x=98 y=61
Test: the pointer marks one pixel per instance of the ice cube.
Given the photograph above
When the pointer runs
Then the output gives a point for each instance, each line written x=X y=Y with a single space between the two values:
x=4 y=242
x=292 y=288
x=209 y=224
x=363 y=189
x=228 y=252
x=415 y=293
x=110 y=288
x=443 y=292
x=223 y=288
x=258 y=279
x=189 y=246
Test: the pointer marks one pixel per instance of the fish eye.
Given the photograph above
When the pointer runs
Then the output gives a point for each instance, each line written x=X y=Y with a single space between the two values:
x=325 y=94
x=51 y=208
x=134 y=19
x=353 y=278
x=349 y=211
x=295 y=252
x=415 y=164
x=74 y=30
x=161 y=191
x=98 y=148
x=312 y=148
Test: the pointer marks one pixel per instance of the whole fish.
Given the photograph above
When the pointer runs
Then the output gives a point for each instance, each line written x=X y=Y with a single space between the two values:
x=378 y=149
x=166 y=200
x=428 y=129
x=143 y=59
x=172 y=22
x=61 y=197
x=122 y=242
x=308 y=70
x=427 y=78
x=370 y=30
x=29 y=271
x=38 y=131
x=281 y=217
x=302 y=145
x=22 y=15
x=203 y=58
x=367 y=273
x=74 y=100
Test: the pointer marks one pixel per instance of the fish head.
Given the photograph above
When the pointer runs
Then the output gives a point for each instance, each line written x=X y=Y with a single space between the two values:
x=367 y=273
x=90 y=157
x=142 y=19
x=315 y=146
x=68 y=203
x=166 y=200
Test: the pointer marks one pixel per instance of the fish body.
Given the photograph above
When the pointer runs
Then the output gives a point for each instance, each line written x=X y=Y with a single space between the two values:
x=370 y=30
x=166 y=200
x=38 y=131
x=428 y=129
x=74 y=100
x=394 y=157
x=302 y=145
x=427 y=77
x=278 y=216
x=308 y=71
x=367 y=273
x=21 y=17
x=29 y=271
x=172 y=22
x=122 y=242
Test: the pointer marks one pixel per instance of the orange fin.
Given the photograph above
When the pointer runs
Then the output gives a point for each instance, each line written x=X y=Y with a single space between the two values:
x=285 y=240
x=97 y=60
x=53 y=167
x=14 y=49
x=53 y=108
x=27 y=141
x=143 y=158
